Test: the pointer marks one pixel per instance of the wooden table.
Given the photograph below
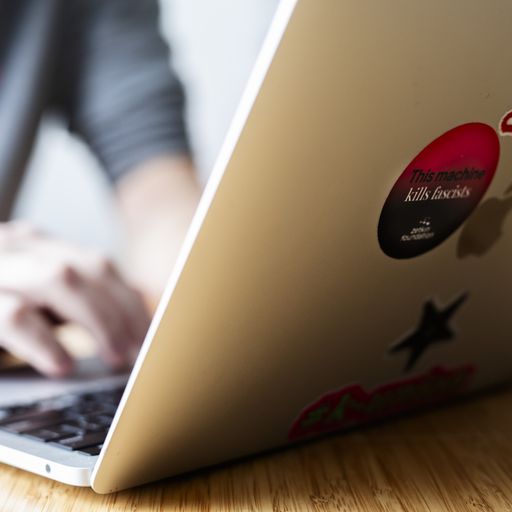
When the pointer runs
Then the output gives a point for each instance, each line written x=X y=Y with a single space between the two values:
x=454 y=458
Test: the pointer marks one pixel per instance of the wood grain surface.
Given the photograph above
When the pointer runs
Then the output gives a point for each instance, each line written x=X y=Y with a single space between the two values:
x=454 y=458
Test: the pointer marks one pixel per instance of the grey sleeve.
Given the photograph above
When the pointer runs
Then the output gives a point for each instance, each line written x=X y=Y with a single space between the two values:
x=125 y=100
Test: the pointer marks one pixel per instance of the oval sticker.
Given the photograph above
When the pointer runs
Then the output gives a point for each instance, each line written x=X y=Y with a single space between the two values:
x=438 y=190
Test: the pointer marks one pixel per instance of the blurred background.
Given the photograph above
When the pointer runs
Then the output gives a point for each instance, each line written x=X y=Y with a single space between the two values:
x=214 y=47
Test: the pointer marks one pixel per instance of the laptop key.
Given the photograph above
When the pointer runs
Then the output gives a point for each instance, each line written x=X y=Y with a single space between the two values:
x=90 y=410
x=92 y=450
x=43 y=435
x=102 y=419
x=31 y=421
x=55 y=432
x=8 y=412
x=81 y=441
x=89 y=426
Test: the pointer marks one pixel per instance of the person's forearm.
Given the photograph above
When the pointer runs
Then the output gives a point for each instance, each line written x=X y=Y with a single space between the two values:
x=157 y=202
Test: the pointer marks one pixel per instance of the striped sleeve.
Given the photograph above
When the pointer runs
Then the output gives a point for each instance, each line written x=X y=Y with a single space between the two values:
x=127 y=102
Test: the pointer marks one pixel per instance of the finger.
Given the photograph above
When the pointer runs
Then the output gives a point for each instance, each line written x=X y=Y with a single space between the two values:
x=17 y=233
x=25 y=333
x=137 y=314
x=76 y=299
x=127 y=301
x=131 y=304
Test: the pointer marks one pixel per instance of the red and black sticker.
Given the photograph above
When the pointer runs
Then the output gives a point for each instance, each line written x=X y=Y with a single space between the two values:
x=438 y=190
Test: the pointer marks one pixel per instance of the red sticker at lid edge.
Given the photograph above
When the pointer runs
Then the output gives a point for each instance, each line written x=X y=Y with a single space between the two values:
x=506 y=124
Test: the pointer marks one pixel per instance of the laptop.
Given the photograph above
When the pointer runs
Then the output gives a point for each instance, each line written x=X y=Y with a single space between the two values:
x=349 y=259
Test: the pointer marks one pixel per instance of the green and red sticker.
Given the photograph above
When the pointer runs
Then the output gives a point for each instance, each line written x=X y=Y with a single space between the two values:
x=353 y=405
x=439 y=189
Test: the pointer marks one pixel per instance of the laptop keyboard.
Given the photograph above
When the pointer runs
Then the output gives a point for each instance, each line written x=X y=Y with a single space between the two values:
x=74 y=422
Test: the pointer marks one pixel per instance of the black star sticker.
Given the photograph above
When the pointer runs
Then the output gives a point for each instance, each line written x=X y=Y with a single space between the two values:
x=433 y=328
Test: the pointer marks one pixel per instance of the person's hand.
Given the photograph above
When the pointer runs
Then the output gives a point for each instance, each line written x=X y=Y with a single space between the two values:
x=44 y=281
